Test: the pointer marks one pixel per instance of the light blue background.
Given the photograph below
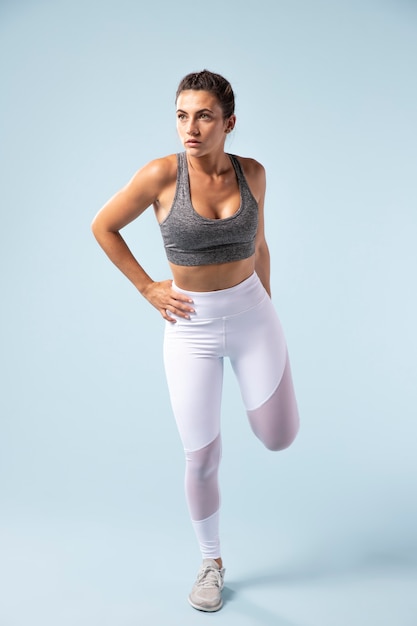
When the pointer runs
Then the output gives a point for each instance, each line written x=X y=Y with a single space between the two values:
x=94 y=528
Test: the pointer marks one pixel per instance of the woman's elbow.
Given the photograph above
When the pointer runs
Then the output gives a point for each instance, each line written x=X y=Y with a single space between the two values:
x=95 y=227
x=98 y=227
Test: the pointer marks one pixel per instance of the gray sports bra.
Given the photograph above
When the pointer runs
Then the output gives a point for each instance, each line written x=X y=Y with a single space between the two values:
x=192 y=239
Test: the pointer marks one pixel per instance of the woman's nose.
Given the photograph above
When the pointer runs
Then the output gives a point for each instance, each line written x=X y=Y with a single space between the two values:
x=192 y=129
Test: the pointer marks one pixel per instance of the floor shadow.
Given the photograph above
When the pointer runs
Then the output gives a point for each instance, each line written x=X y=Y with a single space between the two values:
x=360 y=566
x=260 y=615
x=228 y=594
x=330 y=567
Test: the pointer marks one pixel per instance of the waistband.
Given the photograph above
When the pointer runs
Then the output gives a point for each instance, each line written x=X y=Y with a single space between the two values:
x=225 y=302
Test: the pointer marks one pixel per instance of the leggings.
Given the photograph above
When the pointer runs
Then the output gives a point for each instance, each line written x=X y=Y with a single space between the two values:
x=239 y=323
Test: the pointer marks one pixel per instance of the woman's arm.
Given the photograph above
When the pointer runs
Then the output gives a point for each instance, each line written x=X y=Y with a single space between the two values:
x=124 y=207
x=255 y=175
x=262 y=258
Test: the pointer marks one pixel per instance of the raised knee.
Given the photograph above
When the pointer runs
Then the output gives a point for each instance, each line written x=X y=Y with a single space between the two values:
x=279 y=444
x=276 y=422
x=280 y=440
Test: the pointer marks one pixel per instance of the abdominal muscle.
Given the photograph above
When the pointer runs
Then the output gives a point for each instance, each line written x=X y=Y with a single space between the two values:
x=212 y=277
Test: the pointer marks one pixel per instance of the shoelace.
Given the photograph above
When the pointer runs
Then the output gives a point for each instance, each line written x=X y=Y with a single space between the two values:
x=209 y=577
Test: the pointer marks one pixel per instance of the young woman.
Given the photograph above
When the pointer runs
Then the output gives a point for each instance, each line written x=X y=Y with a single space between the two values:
x=210 y=208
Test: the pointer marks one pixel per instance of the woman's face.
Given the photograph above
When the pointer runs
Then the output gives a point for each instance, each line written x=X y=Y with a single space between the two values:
x=201 y=125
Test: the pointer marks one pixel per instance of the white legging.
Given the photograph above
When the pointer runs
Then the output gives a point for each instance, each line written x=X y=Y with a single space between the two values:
x=239 y=323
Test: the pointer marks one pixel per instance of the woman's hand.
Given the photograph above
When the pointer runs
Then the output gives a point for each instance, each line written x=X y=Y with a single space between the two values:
x=165 y=299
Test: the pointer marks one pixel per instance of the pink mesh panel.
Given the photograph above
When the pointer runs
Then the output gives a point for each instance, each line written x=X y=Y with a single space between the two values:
x=201 y=480
x=276 y=421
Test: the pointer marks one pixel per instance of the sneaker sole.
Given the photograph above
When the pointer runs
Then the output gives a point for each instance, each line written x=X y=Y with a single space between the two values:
x=206 y=609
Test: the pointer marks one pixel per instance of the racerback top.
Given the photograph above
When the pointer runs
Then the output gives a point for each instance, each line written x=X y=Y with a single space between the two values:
x=192 y=239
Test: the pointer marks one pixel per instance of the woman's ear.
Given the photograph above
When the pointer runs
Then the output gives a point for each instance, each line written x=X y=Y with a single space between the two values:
x=230 y=124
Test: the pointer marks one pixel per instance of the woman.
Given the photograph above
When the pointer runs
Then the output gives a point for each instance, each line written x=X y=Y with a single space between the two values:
x=210 y=208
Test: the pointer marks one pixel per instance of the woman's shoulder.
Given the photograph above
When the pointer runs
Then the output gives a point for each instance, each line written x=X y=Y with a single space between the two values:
x=155 y=176
x=251 y=167
x=255 y=175
x=162 y=168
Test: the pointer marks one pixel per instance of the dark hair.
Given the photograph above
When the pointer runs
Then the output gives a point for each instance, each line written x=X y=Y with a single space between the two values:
x=215 y=84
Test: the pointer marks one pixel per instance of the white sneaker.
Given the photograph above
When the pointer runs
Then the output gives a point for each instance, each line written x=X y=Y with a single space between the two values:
x=206 y=595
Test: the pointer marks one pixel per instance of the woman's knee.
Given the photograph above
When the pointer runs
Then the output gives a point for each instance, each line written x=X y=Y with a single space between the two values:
x=203 y=463
x=281 y=439
x=276 y=422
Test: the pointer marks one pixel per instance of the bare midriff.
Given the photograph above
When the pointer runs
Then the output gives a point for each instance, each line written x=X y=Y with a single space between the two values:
x=212 y=277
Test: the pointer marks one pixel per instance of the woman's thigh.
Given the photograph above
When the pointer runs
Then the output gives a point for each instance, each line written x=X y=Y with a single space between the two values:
x=258 y=352
x=194 y=372
x=260 y=361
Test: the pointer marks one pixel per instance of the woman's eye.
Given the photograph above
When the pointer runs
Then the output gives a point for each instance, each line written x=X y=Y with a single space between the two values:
x=181 y=116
